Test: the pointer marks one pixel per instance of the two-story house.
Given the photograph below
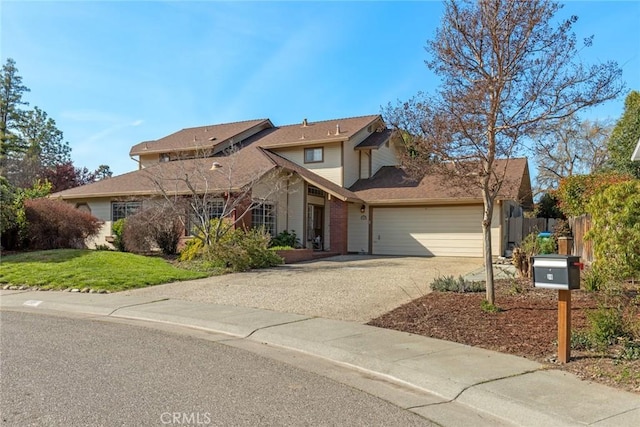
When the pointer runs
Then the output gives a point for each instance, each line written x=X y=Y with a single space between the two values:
x=339 y=187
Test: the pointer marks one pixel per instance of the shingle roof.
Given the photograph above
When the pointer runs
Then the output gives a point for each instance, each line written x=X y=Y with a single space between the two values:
x=313 y=132
x=235 y=172
x=375 y=140
x=202 y=137
x=314 y=179
x=391 y=184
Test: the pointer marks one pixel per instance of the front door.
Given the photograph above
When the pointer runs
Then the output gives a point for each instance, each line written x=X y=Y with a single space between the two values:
x=315 y=226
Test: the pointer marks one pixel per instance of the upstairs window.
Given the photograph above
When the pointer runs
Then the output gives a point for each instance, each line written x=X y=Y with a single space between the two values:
x=313 y=155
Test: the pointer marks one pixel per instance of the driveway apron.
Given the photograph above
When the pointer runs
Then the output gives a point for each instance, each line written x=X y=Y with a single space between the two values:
x=350 y=287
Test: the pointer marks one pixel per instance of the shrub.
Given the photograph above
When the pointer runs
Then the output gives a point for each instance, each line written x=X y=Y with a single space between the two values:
x=607 y=325
x=54 y=224
x=547 y=245
x=242 y=250
x=593 y=279
x=237 y=250
x=581 y=340
x=451 y=284
x=151 y=228
x=285 y=238
x=615 y=230
x=575 y=192
x=118 y=229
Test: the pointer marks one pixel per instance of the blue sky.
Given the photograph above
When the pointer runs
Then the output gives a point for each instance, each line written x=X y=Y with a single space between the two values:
x=112 y=74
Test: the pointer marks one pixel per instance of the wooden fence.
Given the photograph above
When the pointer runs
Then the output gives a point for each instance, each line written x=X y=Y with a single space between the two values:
x=518 y=228
x=581 y=247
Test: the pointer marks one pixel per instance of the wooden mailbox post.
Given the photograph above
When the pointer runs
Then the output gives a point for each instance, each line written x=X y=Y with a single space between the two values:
x=561 y=272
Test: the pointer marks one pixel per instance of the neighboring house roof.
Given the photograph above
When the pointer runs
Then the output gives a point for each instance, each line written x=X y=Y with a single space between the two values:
x=234 y=172
x=313 y=132
x=199 y=138
x=392 y=185
x=375 y=140
x=313 y=179
x=636 y=153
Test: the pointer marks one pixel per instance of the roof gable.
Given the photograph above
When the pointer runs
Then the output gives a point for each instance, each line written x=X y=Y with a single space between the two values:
x=309 y=133
x=201 y=138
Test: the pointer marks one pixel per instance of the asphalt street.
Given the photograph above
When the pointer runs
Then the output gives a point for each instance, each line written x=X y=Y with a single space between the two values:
x=59 y=371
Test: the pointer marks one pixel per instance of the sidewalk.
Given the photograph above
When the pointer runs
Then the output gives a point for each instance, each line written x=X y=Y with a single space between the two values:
x=509 y=390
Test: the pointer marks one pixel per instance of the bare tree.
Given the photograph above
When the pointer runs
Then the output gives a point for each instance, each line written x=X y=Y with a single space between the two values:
x=572 y=147
x=505 y=70
x=224 y=187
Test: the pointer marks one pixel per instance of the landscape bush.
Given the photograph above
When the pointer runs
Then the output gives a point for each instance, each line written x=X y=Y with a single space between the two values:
x=451 y=284
x=13 y=221
x=575 y=192
x=238 y=250
x=117 y=228
x=286 y=239
x=530 y=246
x=54 y=224
x=156 y=227
x=615 y=230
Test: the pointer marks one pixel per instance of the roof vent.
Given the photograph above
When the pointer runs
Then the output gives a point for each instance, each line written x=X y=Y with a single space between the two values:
x=302 y=137
x=215 y=166
x=213 y=138
x=328 y=133
x=146 y=147
x=338 y=129
x=305 y=123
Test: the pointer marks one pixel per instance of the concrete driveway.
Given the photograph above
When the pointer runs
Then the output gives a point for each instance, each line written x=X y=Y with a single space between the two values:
x=351 y=287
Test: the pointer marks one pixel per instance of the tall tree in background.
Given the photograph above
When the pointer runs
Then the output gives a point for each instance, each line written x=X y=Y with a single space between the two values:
x=11 y=114
x=570 y=147
x=506 y=69
x=625 y=136
x=32 y=147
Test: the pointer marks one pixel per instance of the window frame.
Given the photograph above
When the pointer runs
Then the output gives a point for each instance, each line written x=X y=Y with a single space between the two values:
x=313 y=157
x=215 y=210
x=265 y=215
x=131 y=207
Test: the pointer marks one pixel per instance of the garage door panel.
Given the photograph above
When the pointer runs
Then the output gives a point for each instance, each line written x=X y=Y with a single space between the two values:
x=430 y=231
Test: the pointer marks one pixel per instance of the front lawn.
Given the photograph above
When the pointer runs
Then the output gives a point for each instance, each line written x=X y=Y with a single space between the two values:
x=98 y=270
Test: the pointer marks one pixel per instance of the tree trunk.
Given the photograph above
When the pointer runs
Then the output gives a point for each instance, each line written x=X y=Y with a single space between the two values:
x=486 y=234
x=488 y=264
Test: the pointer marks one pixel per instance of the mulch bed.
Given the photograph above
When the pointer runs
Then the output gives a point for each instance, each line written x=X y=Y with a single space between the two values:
x=526 y=326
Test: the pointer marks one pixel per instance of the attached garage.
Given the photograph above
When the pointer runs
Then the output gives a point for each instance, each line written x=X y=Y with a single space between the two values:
x=430 y=231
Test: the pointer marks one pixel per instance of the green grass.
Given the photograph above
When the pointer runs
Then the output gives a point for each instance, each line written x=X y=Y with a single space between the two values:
x=71 y=268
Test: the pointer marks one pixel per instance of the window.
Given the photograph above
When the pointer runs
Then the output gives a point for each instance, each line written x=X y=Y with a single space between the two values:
x=214 y=208
x=121 y=210
x=314 y=191
x=313 y=155
x=264 y=216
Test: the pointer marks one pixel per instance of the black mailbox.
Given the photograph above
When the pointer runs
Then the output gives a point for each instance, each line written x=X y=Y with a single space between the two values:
x=556 y=272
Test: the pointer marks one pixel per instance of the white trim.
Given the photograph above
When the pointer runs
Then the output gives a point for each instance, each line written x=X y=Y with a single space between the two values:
x=636 y=153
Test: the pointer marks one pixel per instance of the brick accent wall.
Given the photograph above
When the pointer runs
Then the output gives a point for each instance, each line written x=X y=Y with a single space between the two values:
x=338 y=222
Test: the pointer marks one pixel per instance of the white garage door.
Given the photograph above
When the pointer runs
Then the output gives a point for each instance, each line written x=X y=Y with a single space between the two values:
x=428 y=231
